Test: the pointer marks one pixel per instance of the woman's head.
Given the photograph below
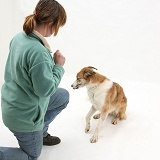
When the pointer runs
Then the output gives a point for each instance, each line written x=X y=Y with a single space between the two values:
x=46 y=12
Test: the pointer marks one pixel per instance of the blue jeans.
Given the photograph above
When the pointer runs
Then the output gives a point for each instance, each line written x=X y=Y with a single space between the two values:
x=31 y=142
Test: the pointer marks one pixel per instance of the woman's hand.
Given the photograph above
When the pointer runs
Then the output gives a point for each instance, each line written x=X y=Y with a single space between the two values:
x=59 y=58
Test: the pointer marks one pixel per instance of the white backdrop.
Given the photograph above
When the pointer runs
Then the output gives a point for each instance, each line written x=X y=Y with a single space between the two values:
x=122 y=39
x=119 y=37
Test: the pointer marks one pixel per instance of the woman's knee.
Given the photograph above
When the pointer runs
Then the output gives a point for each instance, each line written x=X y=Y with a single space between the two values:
x=64 y=96
x=59 y=98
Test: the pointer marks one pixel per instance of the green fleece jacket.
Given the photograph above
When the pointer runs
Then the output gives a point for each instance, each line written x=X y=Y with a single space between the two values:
x=31 y=76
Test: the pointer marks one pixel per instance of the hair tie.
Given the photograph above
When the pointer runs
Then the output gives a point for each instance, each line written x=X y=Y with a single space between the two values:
x=35 y=15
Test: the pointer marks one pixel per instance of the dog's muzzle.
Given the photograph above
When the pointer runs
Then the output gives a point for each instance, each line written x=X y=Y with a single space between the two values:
x=74 y=87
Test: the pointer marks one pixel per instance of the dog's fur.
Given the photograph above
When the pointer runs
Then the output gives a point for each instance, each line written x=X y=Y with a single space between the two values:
x=106 y=96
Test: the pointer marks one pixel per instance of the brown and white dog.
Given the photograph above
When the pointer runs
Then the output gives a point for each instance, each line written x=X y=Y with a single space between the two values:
x=106 y=96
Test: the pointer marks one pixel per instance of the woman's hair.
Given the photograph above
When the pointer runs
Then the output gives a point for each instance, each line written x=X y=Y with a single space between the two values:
x=46 y=11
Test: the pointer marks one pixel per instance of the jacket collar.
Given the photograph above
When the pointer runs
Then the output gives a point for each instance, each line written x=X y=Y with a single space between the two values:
x=43 y=40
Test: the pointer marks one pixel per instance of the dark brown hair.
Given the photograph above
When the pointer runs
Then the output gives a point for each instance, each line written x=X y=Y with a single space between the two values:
x=46 y=11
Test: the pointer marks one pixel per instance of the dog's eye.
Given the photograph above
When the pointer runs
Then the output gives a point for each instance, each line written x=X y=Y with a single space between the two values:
x=78 y=79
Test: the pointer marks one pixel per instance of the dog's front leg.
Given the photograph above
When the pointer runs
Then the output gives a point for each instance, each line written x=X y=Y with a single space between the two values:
x=88 y=117
x=99 y=127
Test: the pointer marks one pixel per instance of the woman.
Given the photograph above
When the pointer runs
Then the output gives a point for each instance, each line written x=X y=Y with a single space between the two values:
x=31 y=98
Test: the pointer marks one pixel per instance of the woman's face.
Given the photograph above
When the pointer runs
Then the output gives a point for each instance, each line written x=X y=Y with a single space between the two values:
x=49 y=30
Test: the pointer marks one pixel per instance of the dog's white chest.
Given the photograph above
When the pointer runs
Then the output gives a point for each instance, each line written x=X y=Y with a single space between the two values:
x=97 y=99
x=97 y=94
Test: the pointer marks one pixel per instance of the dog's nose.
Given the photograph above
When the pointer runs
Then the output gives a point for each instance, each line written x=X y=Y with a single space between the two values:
x=72 y=85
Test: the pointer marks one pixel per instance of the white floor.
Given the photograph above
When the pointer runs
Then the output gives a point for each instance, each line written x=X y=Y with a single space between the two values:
x=137 y=138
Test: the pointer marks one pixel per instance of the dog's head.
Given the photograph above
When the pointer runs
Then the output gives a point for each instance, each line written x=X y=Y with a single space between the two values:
x=83 y=77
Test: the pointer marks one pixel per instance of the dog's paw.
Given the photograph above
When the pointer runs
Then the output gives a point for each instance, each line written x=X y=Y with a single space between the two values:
x=87 y=129
x=96 y=116
x=115 y=121
x=94 y=139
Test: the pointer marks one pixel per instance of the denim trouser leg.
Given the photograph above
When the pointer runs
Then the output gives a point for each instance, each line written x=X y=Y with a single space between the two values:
x=30 y=147
x=58 y=101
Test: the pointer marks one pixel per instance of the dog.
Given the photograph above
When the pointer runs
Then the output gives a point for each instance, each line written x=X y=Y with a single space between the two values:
x=106 y=96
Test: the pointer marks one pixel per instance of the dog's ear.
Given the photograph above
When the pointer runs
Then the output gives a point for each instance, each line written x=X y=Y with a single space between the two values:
x=92 y=67
x=88 y=73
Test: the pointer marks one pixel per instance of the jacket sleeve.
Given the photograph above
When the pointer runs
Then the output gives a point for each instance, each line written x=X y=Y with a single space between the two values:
x=45 y=78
